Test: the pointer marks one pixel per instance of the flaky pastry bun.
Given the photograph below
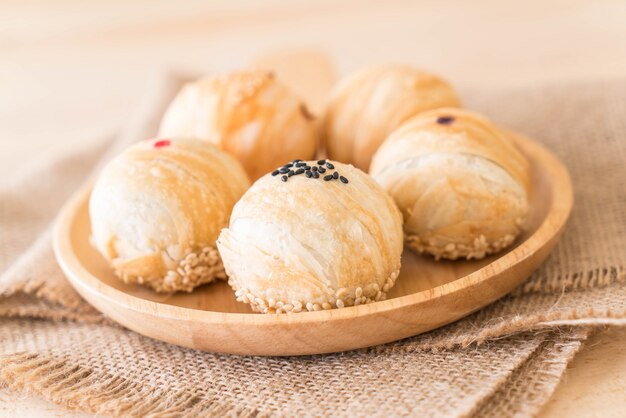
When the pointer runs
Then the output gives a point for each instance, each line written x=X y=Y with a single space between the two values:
x=158 y=207
x=249 y=114
x=461 y=183
x=304 y=238
x=364 y=108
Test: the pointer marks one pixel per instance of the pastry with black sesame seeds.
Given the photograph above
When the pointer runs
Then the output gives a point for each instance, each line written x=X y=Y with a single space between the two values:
x=307 y=244
x=157 y=209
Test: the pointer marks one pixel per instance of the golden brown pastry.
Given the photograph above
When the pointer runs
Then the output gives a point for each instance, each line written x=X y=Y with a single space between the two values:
x=312 y=235
x=249 y=114
x=460 y=182
x=158 y=207
x=367 y=106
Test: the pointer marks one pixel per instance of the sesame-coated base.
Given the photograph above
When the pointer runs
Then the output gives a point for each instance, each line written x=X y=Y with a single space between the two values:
x=341 y=298
x=477 y=249
x=197 y=268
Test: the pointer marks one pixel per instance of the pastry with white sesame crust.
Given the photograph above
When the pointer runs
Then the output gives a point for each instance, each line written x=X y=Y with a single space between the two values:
x=312 y=235
x=158 y=207
x=365 y=107
x=461 y=183
x=249 y=114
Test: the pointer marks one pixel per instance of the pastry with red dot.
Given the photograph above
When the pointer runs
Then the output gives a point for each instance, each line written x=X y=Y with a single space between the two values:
x=460 y=182
x=157 y=209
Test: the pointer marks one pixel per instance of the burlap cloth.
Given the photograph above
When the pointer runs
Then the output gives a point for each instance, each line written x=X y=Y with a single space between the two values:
x=505 y=360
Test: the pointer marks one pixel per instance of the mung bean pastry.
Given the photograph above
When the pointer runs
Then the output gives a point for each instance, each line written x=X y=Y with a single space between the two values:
x=461 y=183
x=249 y=114
x=312 y=235
x=158 y=207
x=367 y=106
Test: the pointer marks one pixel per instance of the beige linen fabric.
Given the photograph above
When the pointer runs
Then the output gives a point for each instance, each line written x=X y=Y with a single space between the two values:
x=504 y=360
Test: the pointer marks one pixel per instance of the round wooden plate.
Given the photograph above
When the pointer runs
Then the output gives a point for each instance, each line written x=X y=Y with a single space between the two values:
x=427 y=295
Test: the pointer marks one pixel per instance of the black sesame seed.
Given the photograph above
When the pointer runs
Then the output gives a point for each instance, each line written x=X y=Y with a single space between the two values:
x=343 y=179
x=328 y=177
x=314 y=168
x=308 y=174
x=295 y=161
x=291 y=173
x=300 y=164
x=321 y=170
x=275 y=173
x=445 y=120
x=316 y=175
x=321 y=162
x=283 y=170
x=288 y=165
x=329 y=165
x=283 y=178
x=307 y=167
x=300 y=171
x=335 y=175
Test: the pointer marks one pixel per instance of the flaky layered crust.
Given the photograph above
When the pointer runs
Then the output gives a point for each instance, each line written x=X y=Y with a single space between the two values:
x=366 y=107
x=157 y=209
x=310 y=244
x=249 y=114
x=460 y=182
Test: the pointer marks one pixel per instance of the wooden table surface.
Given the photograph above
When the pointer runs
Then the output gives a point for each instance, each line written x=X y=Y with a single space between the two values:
x=71 y=71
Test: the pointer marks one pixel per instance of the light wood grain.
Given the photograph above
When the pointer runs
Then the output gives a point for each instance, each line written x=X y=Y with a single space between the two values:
x=427 y=295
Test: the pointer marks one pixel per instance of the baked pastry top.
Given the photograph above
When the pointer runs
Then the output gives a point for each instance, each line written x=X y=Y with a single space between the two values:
x=364 y=108
x=460 y=182
x=312 y=235
x=249 y=114
x=158 y=207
